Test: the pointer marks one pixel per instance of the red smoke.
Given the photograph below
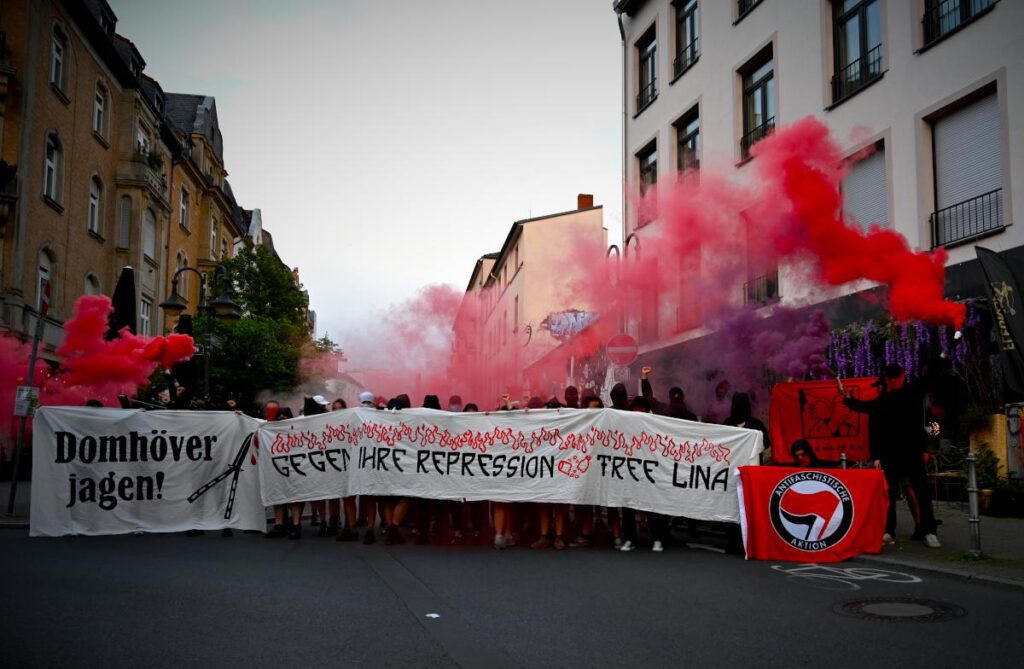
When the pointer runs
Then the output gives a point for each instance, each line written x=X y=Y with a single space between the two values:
x=689 y=274
x=808 y=164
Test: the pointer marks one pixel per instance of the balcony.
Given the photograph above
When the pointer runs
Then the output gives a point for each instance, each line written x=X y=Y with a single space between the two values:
x=755 y=136
x=968 y=220
x=945 y=17
x=647 y=95
x=762 y=290
x=857 y=75
x=685 y=59
x=137 y=171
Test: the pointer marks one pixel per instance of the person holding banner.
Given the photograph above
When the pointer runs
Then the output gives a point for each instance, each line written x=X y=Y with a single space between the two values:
x=657 y=522
x=898 y=445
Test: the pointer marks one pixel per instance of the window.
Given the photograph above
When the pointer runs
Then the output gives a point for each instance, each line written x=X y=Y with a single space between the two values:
x=857 y=39
x=142 y=139
x=92 y=285
x=43 y=273
x=223 y=248
x=647 y=161
x=687 y=34
x=95 y=200
x=149 y=234
x=58 y=55
x=124 y=225
x=53 y=168
x=866 y=192
x=213 y=238
x=688 y=306
x=145 y=315
x=183 y=208
x=942 y=17
x=743 y=7
x=968 y=159
x=647 y=70
x=181 y=262
x=515 y=314
x=504 y=327
x=688 y=141
x=758 y=101
x=99 y=112
x=762 y=286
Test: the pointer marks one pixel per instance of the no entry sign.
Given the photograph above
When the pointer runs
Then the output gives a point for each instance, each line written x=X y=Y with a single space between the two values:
x=622 y=349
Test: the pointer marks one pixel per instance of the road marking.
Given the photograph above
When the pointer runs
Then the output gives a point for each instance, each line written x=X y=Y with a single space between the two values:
x=463 y=643
x=839 y=578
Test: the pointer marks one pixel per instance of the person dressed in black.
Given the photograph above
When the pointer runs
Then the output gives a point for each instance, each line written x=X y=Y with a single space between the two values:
x=676 y=407
x=898 y=445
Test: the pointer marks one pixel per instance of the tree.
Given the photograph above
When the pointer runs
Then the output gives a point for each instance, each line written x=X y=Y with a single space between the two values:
x=261 y=351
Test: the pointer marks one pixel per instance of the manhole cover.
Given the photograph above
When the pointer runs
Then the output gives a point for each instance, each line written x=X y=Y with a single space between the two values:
x=899 y=609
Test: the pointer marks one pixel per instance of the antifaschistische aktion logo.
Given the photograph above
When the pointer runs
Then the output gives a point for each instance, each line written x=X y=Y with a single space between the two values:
x=811 y=510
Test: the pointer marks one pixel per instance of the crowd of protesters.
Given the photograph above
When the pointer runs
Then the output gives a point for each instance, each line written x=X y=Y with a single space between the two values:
x=897 y=446
x=541 y=525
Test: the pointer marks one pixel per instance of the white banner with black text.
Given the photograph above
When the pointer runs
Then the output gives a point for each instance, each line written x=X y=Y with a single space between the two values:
x=601 y=457
x=113 y=471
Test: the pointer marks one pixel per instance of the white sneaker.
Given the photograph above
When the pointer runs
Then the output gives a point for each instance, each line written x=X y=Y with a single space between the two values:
x=932 y=541
x=627 y=546
x=658 y=547
x=887 y=539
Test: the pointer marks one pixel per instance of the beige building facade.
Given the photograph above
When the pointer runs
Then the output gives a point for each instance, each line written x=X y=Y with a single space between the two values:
x=935 y=88
x=516 y=299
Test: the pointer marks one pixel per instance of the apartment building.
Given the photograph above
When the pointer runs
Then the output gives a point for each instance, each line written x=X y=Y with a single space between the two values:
x=934 y=87
x=100 y=169
x=514 y=295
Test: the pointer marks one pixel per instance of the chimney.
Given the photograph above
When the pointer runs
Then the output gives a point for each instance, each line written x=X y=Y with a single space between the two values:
x=584 y=201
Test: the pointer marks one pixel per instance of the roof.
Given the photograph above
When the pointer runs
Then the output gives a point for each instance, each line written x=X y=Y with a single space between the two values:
x=192 y=113
x=627 y=7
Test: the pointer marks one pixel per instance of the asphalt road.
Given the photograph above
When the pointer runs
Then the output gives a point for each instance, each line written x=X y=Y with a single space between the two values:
x=175 y=601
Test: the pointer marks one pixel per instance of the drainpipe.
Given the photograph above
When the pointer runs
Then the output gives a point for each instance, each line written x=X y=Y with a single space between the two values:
x=622 y=34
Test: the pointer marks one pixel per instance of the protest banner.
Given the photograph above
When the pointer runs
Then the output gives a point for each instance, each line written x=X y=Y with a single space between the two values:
x=812 y=515
x=577 y=456
x=814 y=410
x=112 y=471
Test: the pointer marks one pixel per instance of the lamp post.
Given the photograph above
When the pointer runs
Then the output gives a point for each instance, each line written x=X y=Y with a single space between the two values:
x=221 y=307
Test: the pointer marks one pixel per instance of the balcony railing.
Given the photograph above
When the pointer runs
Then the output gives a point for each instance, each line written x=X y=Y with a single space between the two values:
x=646 y=95
x=857 y=74
x=755 y=136
x=944 y=16
x=686 y=57
x=762 y=289
x=968 y=220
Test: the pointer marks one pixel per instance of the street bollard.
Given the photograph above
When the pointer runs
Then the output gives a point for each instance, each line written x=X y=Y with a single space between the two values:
x=973 y=521
x=842 y=460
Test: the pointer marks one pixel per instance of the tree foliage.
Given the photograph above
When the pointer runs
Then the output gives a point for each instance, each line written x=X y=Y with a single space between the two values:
x=261 y=351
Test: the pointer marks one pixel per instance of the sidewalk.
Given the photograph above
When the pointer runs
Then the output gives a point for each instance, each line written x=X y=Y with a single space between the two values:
x=1002 y=546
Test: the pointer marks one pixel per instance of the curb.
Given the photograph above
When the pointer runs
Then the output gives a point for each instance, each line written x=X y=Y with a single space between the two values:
x=947 y=571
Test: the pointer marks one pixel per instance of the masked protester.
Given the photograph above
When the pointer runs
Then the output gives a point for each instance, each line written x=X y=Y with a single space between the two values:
x=897 y=423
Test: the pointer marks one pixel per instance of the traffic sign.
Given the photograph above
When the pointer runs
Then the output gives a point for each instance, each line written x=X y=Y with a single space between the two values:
x=622 y=349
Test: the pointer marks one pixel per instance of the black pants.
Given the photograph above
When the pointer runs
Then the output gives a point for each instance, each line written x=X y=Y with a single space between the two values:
x=915 y=474
x=657 y=523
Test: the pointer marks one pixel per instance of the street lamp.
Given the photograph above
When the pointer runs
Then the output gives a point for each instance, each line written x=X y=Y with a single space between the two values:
x=221 y=307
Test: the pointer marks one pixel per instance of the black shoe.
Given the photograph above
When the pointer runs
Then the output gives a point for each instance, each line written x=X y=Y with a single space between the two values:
x=295 y=532
x=276 y=533
x=227 y=532
x=393 y=535
x=332 y=527
x=346 y=535
x=322 y=530
x=194 y=533
x=369 y=538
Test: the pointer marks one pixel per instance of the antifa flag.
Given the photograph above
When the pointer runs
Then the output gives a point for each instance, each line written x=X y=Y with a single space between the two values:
x=811 y=515
x=814 y=410
x=1007 y=314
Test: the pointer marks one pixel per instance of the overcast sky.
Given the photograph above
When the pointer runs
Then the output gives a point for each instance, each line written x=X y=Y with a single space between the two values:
x=391 y=143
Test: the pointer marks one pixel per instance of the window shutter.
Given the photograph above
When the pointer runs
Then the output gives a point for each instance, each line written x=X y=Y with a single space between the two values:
x=968 y=153
x=865 y=192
